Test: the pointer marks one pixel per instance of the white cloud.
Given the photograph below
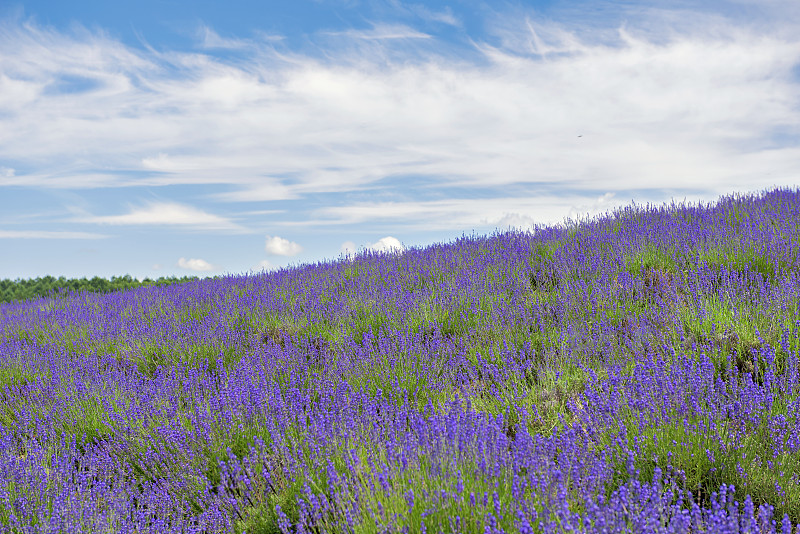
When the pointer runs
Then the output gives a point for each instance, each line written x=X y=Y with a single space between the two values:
x=599 y=206
x=7 y=172
x=383 y=31
x=261 y=189
x=697 y=107
x=445 y=16
x=168 y=214
x=263 y=265
x=211 y=39
x=196 y=264
x=64 y=179
x=387 y=244
x=438 y=214
x=455 y=214
x=282 y=247
x=161 y=162
x=348 y=248
x=36 y=234
x=516 y=220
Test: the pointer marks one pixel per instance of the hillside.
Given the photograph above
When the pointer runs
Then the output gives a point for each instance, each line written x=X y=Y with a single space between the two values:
x=638 y=371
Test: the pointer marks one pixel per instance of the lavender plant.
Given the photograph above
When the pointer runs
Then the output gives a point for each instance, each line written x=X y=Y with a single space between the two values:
x=637 y=372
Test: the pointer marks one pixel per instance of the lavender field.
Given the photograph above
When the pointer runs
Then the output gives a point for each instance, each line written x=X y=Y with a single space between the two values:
x=633 y=373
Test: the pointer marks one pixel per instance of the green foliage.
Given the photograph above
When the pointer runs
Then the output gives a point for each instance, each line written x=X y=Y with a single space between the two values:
x=651 y=258
x=744 y=258
x=542 y=274
x=153 y=356
x=706 y=455
x=351 y=273
x=365 y=317
x=15 y=374
x=735 y=332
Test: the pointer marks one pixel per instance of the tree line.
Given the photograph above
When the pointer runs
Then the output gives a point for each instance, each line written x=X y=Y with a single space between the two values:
x=27 y=289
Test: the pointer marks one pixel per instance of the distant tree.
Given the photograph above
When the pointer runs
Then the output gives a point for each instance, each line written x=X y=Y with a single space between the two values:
x=32 y=288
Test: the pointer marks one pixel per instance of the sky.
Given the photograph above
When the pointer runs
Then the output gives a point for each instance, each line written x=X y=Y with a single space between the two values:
x=189 y=137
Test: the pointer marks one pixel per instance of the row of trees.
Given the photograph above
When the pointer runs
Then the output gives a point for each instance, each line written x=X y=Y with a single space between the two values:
x=18 y=290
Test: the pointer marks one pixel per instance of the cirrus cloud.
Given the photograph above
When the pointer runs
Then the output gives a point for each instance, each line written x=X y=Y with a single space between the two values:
x=548 y=103
x=167 y=214
x=38 y=234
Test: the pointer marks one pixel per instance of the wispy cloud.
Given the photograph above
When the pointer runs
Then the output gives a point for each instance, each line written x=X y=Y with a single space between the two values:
x=167 y=214
x=260 y=189
x=210 y=39
x=463 y=213
x=282 y=247
x=196 y=264
x=445 y=16
x=694 y=107
x=516 y=221
x=36 y=234
x=383 y=31
x=597 y=206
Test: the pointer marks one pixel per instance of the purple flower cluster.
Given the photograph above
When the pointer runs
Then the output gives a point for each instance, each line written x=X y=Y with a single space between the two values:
x=633 y=373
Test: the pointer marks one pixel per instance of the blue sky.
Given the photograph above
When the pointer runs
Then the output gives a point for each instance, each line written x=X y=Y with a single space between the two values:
x=201 y=138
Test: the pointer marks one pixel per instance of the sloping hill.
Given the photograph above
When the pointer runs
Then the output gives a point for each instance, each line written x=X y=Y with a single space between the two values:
x=638 y=371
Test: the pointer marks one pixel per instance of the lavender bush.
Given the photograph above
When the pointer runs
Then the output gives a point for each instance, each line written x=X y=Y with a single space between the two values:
x=632 y=373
